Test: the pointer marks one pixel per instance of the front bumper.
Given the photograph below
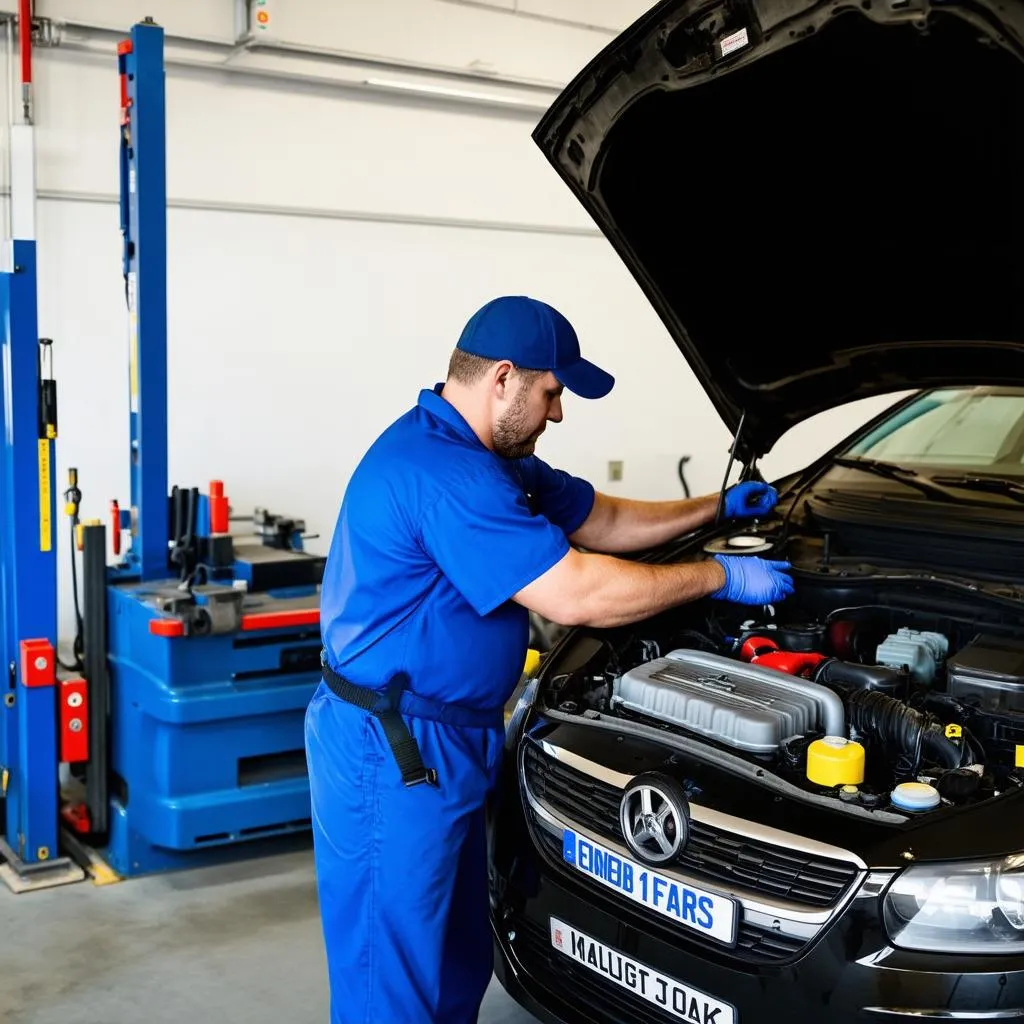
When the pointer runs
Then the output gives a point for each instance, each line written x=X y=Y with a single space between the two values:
x=843 y=970
x=826 y=985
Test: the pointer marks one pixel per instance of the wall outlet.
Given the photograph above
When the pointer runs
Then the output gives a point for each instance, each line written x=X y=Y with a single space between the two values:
x=614 y=470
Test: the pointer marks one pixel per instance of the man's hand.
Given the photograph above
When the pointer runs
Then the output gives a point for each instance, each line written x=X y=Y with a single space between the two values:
x=750 y=498
x=751 y=580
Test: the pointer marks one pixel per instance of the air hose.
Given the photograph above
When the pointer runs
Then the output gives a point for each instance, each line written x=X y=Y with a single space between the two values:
x=853 y=675
x=913 y=732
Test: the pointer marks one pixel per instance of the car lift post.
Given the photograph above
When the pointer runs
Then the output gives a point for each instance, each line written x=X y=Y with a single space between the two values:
x=182 y=764
x=144 y=230
x=29 y=732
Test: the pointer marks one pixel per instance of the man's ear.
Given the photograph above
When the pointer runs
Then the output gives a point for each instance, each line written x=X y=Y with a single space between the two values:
x=502 y=378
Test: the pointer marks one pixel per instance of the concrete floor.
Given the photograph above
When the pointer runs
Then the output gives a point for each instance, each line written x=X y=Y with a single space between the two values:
x=238 y=944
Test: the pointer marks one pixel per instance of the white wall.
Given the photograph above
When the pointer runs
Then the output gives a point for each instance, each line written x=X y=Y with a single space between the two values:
x=327 y=243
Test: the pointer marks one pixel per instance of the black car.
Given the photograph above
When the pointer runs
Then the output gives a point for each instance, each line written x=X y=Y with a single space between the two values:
x=813 y=811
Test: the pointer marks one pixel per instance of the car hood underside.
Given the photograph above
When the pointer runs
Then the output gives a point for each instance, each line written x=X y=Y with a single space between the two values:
x=822 y=201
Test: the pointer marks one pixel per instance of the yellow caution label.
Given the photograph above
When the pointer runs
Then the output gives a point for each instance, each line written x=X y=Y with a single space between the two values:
x=1019 y=759
x=133 y=367
x=45 y=485
x=954 y=732
x=133 y=344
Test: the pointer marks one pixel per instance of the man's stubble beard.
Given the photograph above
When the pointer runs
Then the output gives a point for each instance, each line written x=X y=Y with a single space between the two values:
x=512 y=440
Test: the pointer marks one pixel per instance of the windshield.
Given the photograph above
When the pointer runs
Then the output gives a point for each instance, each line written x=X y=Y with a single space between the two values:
x=971 y=430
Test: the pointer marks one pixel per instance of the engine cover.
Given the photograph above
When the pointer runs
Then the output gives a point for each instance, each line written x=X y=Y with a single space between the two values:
x=747 y=707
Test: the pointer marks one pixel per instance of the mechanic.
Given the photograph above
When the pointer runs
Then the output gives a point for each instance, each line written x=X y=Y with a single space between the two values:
x=451 y=530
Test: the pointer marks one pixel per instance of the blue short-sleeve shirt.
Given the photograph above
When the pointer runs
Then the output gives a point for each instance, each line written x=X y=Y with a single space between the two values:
x=434 y=536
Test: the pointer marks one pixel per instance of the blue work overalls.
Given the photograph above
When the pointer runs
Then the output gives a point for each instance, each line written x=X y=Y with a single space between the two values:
x=434 y=536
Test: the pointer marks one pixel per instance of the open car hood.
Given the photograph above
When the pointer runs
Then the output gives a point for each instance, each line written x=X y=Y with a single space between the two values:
x=823 y=201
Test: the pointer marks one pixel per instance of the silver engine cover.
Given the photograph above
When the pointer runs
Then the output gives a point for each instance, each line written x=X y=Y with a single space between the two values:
x=745 y=706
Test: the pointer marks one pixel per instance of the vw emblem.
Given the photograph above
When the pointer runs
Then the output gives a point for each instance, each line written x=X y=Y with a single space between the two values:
x=654 y=817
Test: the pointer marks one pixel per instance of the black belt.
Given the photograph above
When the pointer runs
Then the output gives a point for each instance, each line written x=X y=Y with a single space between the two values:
x=396 y=699
x=385 y=707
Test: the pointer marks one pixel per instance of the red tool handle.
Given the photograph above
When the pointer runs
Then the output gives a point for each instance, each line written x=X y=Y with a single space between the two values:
x=219 y=517
x=115 y=526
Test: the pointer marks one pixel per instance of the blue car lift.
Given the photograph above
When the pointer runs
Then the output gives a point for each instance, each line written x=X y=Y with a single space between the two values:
x=198 y=648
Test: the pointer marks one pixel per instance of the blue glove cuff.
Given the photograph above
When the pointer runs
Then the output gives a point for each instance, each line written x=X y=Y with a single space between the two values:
x=720 y=595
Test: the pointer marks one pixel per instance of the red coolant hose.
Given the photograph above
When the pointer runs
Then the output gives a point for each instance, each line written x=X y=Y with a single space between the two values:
x=760 y=650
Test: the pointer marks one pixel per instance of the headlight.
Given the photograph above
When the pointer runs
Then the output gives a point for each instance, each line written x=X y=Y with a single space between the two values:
x=970 y=907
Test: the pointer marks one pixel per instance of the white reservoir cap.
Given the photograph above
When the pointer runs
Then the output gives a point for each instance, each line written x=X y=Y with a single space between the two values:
x=916 y=796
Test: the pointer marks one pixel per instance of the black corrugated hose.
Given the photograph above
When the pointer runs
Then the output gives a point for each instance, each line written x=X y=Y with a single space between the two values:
x=913 y=732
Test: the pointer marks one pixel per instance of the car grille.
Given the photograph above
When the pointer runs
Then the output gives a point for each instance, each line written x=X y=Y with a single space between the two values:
x=754 y=945
x=710 y=854
x=599 y=999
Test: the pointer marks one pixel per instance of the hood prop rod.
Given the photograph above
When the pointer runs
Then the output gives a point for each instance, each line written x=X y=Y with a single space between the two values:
x=720 y=510
x=749 y=471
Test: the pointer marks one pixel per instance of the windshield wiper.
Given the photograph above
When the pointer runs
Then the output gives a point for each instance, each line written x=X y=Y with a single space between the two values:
x=895 y=472
x=992 y=484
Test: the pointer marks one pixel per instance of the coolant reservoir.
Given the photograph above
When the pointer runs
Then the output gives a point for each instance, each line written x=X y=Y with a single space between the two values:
x=835 y=761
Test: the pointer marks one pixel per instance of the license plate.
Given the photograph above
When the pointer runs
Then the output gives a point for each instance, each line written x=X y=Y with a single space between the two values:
x=673 y=997
x=705 y=912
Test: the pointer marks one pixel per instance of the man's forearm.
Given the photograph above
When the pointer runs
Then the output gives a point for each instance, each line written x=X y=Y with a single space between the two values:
x=620 y=525
x=604 y=591
x=614 y=592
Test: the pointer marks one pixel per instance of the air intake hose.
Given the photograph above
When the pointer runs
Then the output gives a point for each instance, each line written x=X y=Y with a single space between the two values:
x=912 y=731
x=860 y=677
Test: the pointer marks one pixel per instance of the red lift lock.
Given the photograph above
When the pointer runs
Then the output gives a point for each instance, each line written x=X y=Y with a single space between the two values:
x=74 y=721
x=38 y=664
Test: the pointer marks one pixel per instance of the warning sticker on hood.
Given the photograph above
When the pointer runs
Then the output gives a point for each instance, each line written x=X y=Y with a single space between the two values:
x=733 y=42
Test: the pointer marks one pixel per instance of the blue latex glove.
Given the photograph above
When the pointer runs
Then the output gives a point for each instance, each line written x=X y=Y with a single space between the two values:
x=750 y=498
x=752 y=580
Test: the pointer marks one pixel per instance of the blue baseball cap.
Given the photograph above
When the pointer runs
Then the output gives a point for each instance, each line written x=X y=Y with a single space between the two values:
x=533 y=335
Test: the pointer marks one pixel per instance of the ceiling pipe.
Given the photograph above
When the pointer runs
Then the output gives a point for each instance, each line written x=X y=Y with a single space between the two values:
x=500 y=100
x=372 y=63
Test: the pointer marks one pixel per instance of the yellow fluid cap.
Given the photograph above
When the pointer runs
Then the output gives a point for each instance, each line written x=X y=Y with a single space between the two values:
x=835 y=761
x=532 y=662
x=954 y=732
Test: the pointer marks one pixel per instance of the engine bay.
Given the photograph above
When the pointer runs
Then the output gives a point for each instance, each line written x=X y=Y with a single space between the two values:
x=894 y=696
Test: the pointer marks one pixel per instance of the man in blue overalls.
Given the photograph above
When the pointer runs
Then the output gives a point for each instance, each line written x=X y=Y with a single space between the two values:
x=450 y=531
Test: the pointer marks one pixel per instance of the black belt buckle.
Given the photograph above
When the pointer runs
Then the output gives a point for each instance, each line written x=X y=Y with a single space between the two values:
x=404 y=748
x=429 y=777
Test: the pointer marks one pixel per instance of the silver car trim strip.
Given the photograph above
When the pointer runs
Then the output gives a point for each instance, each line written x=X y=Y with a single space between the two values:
x=898 y=1011
x=706 y=816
